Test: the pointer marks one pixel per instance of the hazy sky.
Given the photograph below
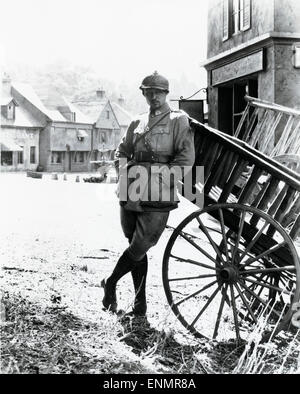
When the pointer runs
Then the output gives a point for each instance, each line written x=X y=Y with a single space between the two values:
x=123 y=39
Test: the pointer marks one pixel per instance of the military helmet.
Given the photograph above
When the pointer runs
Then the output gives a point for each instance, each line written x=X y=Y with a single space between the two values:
x=155 y=81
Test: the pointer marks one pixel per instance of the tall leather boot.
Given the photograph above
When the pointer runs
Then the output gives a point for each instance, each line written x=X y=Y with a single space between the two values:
x=124 y=265
x=139 y=275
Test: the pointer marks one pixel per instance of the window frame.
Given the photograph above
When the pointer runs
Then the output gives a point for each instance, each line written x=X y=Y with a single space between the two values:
x=32 y=155
x=229 y=19
x=20 y=156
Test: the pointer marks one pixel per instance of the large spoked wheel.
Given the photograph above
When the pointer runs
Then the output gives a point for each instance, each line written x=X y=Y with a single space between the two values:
x=231 y=269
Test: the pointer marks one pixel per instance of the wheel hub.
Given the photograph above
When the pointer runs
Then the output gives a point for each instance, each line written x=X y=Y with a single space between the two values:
x=229 y=275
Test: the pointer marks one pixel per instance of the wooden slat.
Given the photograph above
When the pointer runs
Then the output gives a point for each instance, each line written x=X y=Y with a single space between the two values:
x=295 y=231
x=280 y=146
x=285 y=204
x=250 y=185
x=236 y=173
x=258 y=129
x=216 y=172
x=241 y=122
x=212 y=158
x=252 y=121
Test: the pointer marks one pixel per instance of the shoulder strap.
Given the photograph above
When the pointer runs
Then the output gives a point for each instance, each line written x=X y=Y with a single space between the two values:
x=139 y=138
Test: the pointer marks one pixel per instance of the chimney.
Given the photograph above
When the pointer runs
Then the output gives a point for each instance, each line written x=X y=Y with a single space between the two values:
x=6 y=84
x=121 y=100
x=100 y=93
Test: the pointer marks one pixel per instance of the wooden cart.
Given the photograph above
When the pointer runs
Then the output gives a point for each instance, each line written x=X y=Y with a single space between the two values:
x=232 y=268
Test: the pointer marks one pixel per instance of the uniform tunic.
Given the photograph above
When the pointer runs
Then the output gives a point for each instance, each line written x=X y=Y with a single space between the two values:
x=171 y=137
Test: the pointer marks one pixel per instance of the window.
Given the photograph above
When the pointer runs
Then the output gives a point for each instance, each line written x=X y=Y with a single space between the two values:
x=32 y=154
x=57 y=157
x=6 y=158
x=10 y=111
x=107 y=114
x=102 y=138
x=21 y=156
x=245 y=14
x=79 y=157
x=236 y=17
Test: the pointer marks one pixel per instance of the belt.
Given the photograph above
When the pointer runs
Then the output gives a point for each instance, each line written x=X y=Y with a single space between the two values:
x=151 y=157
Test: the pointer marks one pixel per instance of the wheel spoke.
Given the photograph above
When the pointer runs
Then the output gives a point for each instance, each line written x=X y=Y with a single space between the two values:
x=206 y=305
x=269 y=286
x=266 y=270
x=235 y=316
x=199 y=248
x=196 y=292
x=192 y=277
x=246 y=303
x=217 y=250
x=259 y=299
x=241 y=226
x=224 y=233
x=215 y=334
x=264 y=254
x=254 y=240
x=194 y=262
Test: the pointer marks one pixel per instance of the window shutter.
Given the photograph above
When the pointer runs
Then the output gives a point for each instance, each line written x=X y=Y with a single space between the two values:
x=225 y=19
x=245 y=14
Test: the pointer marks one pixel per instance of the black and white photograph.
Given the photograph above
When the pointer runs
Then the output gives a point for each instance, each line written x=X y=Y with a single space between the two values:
x=150 y=190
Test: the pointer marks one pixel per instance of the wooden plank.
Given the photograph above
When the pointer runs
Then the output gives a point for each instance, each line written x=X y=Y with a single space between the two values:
x=242 y=121
x=280 y=147
x=255 y=157
x=259 y=103
x=252 y=121
x=236 y=173
x=295 y=231
x=216 y=172
x=250 y=185
x=212 y=158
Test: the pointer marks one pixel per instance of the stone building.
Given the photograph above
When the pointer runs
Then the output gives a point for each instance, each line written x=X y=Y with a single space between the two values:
x=106 y=127
x=66 y=141
x=253 y=48
x=20 y=131
x=51 y=133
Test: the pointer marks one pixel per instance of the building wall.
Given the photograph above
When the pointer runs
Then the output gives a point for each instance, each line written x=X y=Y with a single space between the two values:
x=279 y=81
x=103 y=122
x=262 y=22
x=286 y=77
x=287 y=16
x=62 y=137
x=26 y=138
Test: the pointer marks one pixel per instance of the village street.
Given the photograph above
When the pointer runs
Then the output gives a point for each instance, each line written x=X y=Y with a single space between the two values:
x=59 y=238
x=49 y=225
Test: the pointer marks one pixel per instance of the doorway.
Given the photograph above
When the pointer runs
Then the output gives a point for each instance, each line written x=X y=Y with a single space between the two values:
x=231 y=103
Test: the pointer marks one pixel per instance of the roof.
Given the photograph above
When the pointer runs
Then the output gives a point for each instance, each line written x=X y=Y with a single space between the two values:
x=123 y=116
x=80 y=117
x=8 y=144
x=7 y=99
x=57 y=105
x=23 y=117
x=92 y=109
x=27 y=91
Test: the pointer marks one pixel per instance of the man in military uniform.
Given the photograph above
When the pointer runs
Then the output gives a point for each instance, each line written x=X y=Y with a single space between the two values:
x=160 y=138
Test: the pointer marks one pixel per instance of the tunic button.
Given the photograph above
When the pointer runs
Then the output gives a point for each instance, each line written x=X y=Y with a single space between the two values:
x=147 y=128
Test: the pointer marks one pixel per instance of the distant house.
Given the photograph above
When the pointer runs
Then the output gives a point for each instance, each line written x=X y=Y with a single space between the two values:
x=123 y=116
x=48 y=132
x=66 y=141
x=110 y=122
x=21 y=125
